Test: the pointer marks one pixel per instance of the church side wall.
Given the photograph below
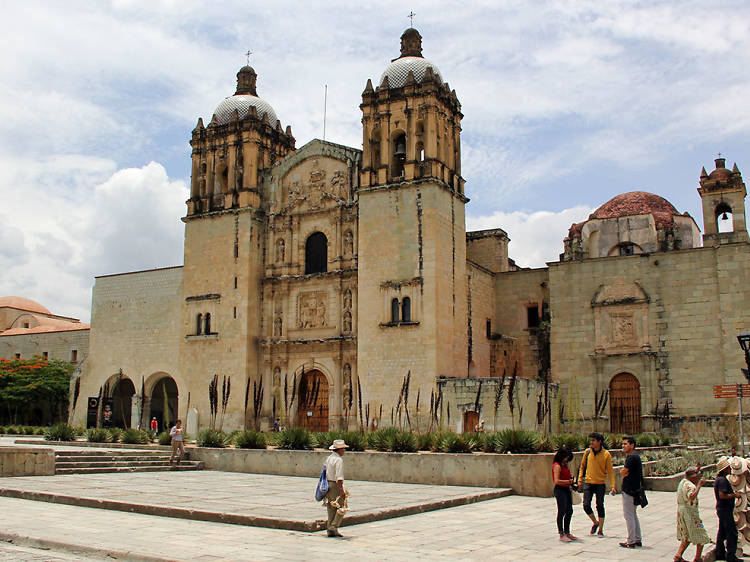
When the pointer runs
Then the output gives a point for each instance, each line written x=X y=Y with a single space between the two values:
x=58 y=345
x=135 y=321
x=481 y=306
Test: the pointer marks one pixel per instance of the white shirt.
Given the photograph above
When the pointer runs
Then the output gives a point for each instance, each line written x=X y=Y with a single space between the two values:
x=175 y=434
x=334 y=467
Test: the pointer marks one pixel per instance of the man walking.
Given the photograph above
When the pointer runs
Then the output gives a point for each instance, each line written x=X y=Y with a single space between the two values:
x=154 y=425
x=596 y=466
x=632 y=473
x=177 y=443
x=725 y=497
x=335 y=499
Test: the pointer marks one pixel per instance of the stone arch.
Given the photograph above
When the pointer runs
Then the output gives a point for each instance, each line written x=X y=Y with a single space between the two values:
x=724 y=217
x=625 y=404
x=316 y=253
x=397 y=153
x=117 y=402
x=155 y=386
x=313 y=407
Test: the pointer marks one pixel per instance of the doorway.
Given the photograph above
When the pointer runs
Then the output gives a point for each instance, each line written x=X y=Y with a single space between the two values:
x=625 y=404
x=313 y=401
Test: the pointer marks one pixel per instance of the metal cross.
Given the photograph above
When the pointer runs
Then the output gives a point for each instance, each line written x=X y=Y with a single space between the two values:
x=411 y=18
x=248 y=56
x=719 y=155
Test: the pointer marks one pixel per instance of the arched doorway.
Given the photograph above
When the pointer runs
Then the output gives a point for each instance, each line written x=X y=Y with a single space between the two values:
x=471 y=421
x=625 y=404
x=164 y=396
x=117 y=409
x=313 y=401
x=316 y=253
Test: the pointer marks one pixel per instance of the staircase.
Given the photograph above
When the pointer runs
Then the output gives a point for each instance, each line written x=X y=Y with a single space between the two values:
x=94 y=462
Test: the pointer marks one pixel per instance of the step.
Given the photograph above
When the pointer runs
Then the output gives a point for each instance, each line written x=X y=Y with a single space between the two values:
x=182 y=467
x=107 y=458
x=130 y=452
x=102 y=464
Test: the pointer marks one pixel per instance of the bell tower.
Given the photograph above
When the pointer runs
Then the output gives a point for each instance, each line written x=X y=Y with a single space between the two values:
x=224 y=241
x=723 y=194
x=412 y=232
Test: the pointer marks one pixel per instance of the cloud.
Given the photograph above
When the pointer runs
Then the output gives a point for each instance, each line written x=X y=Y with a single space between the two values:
x=536 y=237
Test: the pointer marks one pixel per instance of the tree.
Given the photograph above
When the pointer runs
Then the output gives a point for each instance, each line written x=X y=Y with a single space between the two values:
x=30 y=384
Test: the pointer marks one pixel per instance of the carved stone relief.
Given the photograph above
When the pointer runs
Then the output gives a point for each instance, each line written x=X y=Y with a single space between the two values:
x=312 y=310
x=348 y=243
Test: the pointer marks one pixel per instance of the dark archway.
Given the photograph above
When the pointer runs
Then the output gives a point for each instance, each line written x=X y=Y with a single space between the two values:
x=165 y=411
x=121 y=406
x=625 y=404
x=316 y=253
x=313 y=401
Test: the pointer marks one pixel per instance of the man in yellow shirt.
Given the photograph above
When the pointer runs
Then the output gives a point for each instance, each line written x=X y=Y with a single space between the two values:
x=596 y=466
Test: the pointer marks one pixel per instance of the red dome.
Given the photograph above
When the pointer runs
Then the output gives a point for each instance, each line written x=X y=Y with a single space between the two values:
x=22 y=303
x=638 y=203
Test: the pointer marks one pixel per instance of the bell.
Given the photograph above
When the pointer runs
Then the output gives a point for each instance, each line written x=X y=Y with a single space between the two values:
x=400 y=149
x=724 y=217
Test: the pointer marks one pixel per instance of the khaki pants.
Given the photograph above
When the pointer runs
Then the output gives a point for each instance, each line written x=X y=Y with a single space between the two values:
x=334 y=518
x=177 y=446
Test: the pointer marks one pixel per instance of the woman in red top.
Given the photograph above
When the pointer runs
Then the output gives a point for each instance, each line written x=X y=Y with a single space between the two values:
x=562 y=480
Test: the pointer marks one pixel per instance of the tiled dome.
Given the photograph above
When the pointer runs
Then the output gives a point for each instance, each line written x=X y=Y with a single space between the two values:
x=242 y=103
x=399 y=69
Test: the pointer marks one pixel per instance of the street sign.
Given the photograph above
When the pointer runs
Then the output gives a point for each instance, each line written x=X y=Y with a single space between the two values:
x=732 y=391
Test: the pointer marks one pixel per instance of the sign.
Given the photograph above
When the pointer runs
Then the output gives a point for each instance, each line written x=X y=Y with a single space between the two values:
x=732 y=391
x=92 y=411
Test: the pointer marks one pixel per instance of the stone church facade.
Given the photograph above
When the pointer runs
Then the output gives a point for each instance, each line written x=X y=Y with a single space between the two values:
x=329 y=286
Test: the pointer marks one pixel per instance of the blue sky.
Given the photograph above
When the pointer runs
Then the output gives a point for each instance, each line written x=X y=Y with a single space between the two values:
x=566 y=104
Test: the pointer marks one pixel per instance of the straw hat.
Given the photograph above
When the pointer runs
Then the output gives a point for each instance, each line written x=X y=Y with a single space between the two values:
x=737 y=464
x=737 y=481
x=722 y=463
x=338 y=444
x=741 y=503
x=740 y=519
x=746 y=533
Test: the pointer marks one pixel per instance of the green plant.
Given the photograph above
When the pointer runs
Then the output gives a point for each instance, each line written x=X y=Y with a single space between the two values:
x=132 y=435
x=356 y=440
x=60 y=432
x=28 y=430
x=544 y=445
x=646 y=440
x=516 y=441
x=404 y=442
x=97 y=435
x=450 y=442
x=425 y=441
x=250 y=439
x=40 y=431
x=212 y=438
x=13 y=430
x=115 y=434
x=2 y=429
x=382 y=439
x=295 y=438
x=665 y=440
x=164 y=438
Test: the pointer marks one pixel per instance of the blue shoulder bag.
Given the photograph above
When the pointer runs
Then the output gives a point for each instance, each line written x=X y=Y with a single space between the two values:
x=322 y=488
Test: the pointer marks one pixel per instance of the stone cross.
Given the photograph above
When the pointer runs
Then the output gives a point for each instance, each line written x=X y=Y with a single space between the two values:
x=411 y=18
x=249 y=52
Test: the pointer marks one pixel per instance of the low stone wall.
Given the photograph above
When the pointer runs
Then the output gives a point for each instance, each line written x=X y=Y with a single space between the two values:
x=21 y=461
x=527 y=475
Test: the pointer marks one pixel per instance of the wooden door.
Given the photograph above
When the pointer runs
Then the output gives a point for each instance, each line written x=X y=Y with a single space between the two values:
x=471 y=419
x=313 y=401
x=625 y=404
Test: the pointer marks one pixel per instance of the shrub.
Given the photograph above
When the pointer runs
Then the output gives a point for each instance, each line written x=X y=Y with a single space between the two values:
x=250 y=439
x=212 y=438
x=646 y=440
x=665 y=440
x=97 y=435
x=164 y=438
x=516 y=441
x=115 y=434
x=425 y=441
x=132 y=435
x=382 y=439
x=544 y=445
x=403 y=442
x=450 y=442
x=80 y=430
x=324 y=439
x=13 y=430
x=356 y=440
x=28 y=430
x=2 y=429
x=40 y=431
x=572 y=441
x=295 y=438
x=60 y=432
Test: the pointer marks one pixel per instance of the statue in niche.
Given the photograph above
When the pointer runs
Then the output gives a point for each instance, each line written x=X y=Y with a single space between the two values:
x=317 y=175
x=348 y=243
x=347 y=322
x=347 y=299
x=280 y=249
x=312 y=310
x=277 y=327
x=276 y=378
x=238 y=168
x=347 y=387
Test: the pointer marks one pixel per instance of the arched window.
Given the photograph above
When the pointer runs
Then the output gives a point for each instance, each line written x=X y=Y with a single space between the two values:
x=394 y=310
x=207 y=323
x=224 y=180
x=375 y=148
x=724 y=218
x=420 y=152
x=199 y=325
x=316 y=253
x=406 y=310
x=398 y=158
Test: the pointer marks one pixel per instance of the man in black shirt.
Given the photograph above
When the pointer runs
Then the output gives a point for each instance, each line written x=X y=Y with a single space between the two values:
x=632 y=481
x=725 y=497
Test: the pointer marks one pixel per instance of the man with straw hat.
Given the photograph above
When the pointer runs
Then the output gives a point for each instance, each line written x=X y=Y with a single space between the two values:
x=335 y=500
x=725 y=497
x=690 y=528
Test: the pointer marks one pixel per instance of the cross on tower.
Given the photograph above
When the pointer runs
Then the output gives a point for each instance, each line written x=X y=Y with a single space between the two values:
x=411 y=18
x=249 y=52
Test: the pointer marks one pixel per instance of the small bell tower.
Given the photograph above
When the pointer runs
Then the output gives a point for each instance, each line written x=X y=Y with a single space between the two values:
x=723 y=197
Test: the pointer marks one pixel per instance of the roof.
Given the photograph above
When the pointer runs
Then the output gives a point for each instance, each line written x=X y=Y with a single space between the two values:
x=634 y=203
x=46 y=325
x=22 y=303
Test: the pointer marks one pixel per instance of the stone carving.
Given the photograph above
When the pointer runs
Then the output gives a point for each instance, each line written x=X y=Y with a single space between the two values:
x=277 y=324
x=280 y=248
x=347 y=299
x=339 y=184
x=318 y=187
x=348 y=243
x=276 y=378
x=347 y=386
x=311 y=310
x=623 y=331
x=347 y=322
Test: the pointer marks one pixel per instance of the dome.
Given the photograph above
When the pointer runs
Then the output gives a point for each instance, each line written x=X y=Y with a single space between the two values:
x=637 y=203
x=22 y=303
x=399 y=69
x=242 y=103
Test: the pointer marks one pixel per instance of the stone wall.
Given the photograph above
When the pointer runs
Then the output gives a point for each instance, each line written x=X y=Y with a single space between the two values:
x=57 y=345
x=22 y=461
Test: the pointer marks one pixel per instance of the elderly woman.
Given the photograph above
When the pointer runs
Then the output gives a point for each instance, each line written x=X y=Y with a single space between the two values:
x=689 y=525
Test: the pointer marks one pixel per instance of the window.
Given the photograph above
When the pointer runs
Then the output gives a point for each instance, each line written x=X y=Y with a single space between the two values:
x=18 y=355
x=532 y=316
x=488 y=328
x=74 y=356
x=25 y=324
x=724 y=218
x=45 y=355
x=198 y=324
x=316 y=253
x=406 y=310
x=399 y=155
x=207 y=323
x=235 y=282
x=234 y=311
x=626 y=250
x=394 y=310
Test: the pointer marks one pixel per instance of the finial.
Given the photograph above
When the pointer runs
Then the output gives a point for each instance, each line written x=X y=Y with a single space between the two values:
x=246 y=79
x=411 y=43
x=720 y=161
x=411 y=18
x=247 y=54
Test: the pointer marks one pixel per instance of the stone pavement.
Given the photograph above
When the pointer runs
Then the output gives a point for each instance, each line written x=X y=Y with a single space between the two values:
x=510 y=528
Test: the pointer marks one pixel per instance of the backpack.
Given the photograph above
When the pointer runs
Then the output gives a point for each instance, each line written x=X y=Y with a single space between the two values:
x=322 y=488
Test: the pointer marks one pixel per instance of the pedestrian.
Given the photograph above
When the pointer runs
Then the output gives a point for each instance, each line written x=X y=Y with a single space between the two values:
x=563 y=480
x=177 y=442
x=596 y=467
x=690 y=528
x=725 y=497
x=276 y=425
x=632 y=483
x=154 y=425
x=335 y=499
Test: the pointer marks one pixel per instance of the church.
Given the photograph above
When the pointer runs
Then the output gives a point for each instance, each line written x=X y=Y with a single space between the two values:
x=335 y=287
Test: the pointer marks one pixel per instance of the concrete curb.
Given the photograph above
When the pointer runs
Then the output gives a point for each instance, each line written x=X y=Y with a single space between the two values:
x=249 y=520
x=77 y=549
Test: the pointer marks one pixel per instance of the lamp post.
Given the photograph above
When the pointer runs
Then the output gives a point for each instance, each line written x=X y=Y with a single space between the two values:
x=744 y=341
